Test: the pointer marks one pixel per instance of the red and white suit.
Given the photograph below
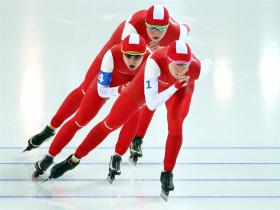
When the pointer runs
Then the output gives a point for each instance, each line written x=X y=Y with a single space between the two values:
x=154 y=85
x=134 y=24
x=113 y=73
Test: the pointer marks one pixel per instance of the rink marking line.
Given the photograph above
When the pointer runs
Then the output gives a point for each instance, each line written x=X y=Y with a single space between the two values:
x=147 y=196
x=185 y=147
x=152 y=180
x=157 y=163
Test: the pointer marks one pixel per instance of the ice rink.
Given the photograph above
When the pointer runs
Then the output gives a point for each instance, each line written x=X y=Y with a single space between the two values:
x=230 y=159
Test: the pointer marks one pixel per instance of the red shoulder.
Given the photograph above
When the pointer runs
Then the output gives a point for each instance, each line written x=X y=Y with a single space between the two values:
x=138 y=17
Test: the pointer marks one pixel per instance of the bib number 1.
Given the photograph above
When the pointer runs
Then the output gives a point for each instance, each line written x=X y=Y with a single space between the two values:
x=148 y=84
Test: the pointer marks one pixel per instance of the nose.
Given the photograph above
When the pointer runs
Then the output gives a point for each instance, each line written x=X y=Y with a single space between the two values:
x=132 y=61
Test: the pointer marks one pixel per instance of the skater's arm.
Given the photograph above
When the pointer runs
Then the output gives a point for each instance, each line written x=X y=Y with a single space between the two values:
x=105 y=77
x=181 y=29
x=153 y=98
x=107 y=92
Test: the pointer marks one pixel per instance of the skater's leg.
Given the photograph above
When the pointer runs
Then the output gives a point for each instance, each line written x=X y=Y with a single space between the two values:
x=113 y=121
x=146 y=116
x=145 y=120
x=177 y=110
x=88 y=109
x=72 y=102
x=116 y=118
x=127 y=133
x=68 y=107
x=90 y=106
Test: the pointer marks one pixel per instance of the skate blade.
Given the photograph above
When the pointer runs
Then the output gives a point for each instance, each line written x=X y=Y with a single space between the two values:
x=49 y=178
x=136 y=154
x=164 y=195
x=25 y=150
x=35 y=176
x=132 y=161
x=110 y=179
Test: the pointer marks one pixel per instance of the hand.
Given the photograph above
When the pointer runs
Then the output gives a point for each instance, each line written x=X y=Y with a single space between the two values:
x=182 y=81
x=153 y=45
x=122 y=87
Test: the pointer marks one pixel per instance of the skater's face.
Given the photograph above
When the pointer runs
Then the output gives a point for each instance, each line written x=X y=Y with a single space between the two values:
x=178 y=69
x=156 y=33
x=132 y=61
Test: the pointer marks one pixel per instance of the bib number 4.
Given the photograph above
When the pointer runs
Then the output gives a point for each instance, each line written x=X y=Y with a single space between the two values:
x=100 y=78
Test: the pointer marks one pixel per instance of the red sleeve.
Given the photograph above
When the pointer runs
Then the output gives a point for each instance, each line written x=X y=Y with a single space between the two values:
x=194 y=68
x=172 y=33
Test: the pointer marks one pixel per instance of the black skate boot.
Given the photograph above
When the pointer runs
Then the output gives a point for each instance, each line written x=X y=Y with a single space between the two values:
x=38 y=139
x=41 y=166
x=59 y=169
x=166 y=179
x=135 y=150
x=114 y=168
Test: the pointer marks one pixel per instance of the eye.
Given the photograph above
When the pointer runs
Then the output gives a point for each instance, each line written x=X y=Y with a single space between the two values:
x=128 y=56
x=137 y=57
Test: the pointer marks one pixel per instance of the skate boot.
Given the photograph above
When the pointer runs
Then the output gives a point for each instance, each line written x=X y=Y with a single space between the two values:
x=114 y=168
x=135 y=150
x=41 y=166
x=166 y=179
x=59 y=169
x=38 y=139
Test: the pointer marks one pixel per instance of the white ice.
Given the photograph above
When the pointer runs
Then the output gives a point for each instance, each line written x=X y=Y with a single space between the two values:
x=230 y=157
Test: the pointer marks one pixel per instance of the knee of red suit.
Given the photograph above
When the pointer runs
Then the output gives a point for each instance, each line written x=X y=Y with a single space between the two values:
x=65 y=111
x=56 y=122
x=110 y=126
x=84 y=86
x=120 y=149
x=174 y=139
x=176 y=129
x=82 y=118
